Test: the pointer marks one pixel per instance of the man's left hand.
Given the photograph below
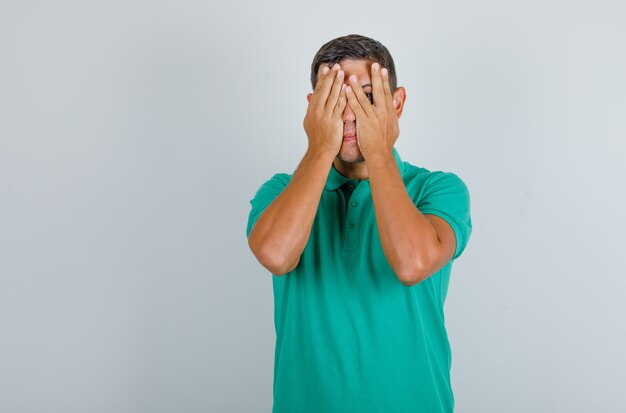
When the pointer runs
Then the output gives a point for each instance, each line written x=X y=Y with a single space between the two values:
x=376 y=124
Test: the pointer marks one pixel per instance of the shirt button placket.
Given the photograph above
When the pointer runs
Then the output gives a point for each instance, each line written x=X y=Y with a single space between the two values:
x=352 y=230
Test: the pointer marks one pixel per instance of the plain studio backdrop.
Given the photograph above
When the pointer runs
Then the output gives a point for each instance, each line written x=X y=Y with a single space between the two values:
x=134 y=134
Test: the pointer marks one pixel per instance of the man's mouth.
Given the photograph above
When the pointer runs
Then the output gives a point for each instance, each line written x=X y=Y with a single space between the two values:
x=349 y=135
x=349 y=131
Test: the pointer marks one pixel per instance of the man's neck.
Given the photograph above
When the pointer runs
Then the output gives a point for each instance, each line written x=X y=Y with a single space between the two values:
x=351 y=170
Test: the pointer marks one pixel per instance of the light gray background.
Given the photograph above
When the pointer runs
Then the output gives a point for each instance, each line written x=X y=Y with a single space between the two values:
x=134 y=133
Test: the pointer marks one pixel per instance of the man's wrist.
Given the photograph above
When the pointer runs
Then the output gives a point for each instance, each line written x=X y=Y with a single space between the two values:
x=379 y=156
x=320 y=154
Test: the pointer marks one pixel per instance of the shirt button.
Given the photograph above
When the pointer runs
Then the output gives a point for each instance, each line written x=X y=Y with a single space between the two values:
x=352 y=225
x=351 y=187
x=354 y=204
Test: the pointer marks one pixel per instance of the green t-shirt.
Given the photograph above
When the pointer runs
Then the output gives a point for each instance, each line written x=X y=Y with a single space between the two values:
x=350 y=337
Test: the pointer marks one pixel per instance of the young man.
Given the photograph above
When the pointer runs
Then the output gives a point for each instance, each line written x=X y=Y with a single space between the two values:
x=361 y=246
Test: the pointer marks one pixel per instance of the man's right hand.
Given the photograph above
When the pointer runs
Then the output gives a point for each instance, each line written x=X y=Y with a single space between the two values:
x=323 y=122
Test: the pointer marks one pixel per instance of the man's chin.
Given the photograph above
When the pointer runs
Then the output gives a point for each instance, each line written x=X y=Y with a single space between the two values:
x=350 y=154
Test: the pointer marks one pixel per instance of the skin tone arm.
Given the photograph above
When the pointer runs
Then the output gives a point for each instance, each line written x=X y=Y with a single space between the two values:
x=281 y=232
x=415 y=245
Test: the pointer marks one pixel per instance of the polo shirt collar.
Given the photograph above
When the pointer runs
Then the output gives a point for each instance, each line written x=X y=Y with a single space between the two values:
x=336 y=179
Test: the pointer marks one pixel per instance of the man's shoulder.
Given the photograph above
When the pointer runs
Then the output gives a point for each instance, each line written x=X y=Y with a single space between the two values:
x=418 y=176
x=280 y=177
x=413 y=173
x=274 y=184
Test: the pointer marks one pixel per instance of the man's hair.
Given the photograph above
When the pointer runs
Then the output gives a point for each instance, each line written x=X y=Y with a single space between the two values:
x=354 y=46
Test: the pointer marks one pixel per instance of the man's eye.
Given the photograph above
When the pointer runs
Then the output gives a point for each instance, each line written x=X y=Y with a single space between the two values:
x=370 y=97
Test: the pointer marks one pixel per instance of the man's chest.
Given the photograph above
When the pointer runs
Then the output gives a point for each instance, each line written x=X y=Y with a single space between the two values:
x=344 y=231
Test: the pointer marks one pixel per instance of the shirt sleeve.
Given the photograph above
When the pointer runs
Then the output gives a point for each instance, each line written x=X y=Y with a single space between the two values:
x=447 y=196
x=264 y=196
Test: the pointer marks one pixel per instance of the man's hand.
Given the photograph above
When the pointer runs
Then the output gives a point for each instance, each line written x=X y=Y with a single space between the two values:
x=323 y=122
x=376 y=125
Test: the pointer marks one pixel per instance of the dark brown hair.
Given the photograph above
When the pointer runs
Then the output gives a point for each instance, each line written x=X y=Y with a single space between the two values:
x=354 y=46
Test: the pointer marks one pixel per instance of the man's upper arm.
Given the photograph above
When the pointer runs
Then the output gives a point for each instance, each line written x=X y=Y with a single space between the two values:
x=264 y=196
x=447 y=239
x=446 y=204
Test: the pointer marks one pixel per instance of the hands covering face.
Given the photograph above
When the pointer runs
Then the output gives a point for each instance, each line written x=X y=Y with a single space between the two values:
x=323 y=122
x=376 y=124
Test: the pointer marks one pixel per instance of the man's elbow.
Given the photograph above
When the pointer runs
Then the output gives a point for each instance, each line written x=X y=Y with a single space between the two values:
x=274 y=262
x=412 y=273
x=410 y=279
x=278 y=267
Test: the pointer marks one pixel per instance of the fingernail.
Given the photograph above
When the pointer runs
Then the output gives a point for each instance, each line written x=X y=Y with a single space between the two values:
x=353 y=78
x=348 y=89
x=384 y=71
x=336 y=66
x=340 y=73
x=375 y=66
x=325 y=70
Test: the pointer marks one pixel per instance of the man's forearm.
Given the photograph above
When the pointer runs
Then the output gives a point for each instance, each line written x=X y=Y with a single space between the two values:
x=282 y=230
x=406 y=236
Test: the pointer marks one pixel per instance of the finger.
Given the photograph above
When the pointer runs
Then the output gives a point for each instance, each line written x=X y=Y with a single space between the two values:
x=325 y=85
x=359 y=94
x=380 y=101
x=328 y=81
x=322 y=71
x=321 y=74
x=341 y=103
x=354 y=103
x=388 y=96
x=334 y=93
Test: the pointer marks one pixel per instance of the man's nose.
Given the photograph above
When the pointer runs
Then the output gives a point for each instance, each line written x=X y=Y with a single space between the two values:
x=348 y=114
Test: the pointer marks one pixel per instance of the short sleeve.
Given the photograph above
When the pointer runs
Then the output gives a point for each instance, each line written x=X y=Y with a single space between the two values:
x=447 y=196
x=265 y=195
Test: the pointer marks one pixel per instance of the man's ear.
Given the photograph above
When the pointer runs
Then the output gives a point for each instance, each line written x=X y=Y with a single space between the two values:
x=308 y=97
x=399 y=97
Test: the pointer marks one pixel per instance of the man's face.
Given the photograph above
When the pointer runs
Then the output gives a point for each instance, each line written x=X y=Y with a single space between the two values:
x=350 y=151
